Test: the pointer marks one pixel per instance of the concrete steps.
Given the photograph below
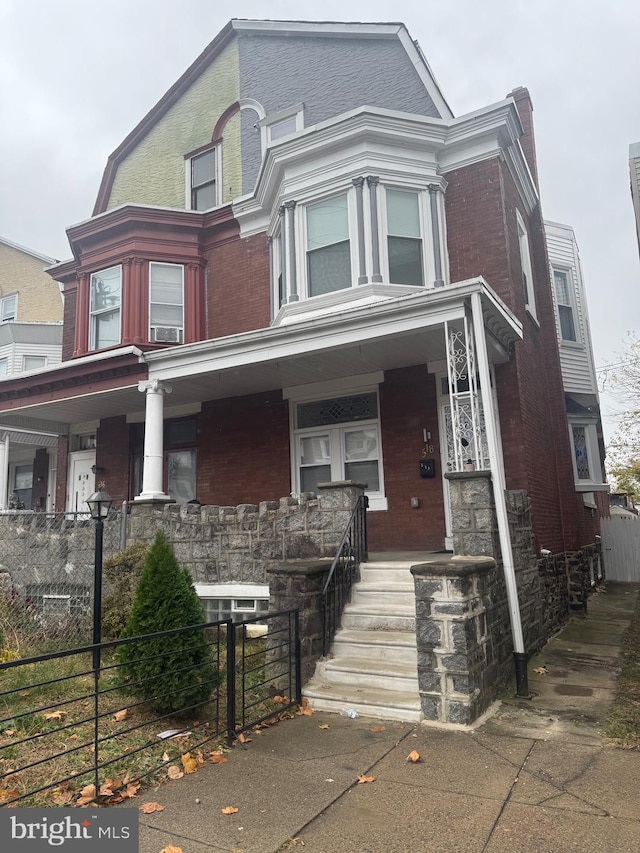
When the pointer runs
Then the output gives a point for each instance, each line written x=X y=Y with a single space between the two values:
x=372 y=666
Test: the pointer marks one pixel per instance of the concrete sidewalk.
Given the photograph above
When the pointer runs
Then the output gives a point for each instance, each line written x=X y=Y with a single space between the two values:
x=536 y=777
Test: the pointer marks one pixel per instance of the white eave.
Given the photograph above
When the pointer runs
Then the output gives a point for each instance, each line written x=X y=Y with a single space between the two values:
x=25 y=251
x=362 y=326
x=493 y=131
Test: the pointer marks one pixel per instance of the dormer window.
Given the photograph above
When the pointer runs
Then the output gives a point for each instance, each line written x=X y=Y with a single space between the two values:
x=104 y=308
x=203 y=173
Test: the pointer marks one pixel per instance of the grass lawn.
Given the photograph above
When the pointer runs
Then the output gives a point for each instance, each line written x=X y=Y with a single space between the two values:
x=47 y=729
x=623 y=726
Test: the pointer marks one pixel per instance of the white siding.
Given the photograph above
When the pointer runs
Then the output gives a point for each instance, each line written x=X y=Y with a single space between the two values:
x=576 y=359
x=14 y=353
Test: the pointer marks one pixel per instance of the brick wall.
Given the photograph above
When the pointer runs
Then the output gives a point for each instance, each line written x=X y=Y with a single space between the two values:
x=112 y=455
x=408 y=405
x=481 y=205
x=238 y=283
x=243 y=449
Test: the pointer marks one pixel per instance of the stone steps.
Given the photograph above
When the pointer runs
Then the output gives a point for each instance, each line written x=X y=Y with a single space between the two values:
x=372 y=666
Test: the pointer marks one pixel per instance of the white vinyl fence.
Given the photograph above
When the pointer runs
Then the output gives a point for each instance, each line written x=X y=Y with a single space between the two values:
x=621 y=547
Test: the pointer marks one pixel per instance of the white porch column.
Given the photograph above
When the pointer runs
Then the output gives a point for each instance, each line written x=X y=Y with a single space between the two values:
x=4 y=470
x=496 y=464
x=153 y=440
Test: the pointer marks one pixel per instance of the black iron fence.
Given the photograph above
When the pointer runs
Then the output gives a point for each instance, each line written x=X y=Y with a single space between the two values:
x=352 y=551
x=91 y=723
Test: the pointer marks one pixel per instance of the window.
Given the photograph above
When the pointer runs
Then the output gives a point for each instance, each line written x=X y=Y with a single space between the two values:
x=587 y=466
x=525 y=261
x=237 y=609
x=581 y=451
x=166 y=303
x=203 y=179
x=280 y=124
x=33 y=362
x=104 y=309
x=338 y=439
x=564 y=302
x=282 y=128
x=404 y=241
x=328 y=249
x=8 y=307
x=22 y=485
x=4 y=367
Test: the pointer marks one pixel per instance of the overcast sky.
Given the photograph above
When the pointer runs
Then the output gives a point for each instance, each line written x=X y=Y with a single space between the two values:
x=77 y=75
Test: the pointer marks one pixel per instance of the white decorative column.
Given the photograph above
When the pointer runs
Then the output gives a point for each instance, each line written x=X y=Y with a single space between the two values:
x=4 y=470
x=153 y=441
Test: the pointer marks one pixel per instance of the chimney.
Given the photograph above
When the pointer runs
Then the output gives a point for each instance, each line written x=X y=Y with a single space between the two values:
x=528 y=142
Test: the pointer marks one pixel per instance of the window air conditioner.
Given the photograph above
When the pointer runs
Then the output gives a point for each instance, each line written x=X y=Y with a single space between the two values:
x=166 y=335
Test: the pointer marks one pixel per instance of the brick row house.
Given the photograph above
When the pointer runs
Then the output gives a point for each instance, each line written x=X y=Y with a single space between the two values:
x=302 y=268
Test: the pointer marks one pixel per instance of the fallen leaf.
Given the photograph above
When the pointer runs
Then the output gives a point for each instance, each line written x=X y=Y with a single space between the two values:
x=304 y=703
x=281 y=700
x=6 y=794
x=171 y=849
x=323 y=726
x=217 y=758
x=413 y=756
x=73 y=737
x=149 y=808
x=363 y=779
x=166 y=756
x=131 y=790
x=242 y=738
x=54 y=715
x=377 y=728
x=189 y=763
x=229 y=810
x=174 y=772
x=10 y=732
x=119 y=716
x=307 y=712
x=87 y=795
x=541 y=670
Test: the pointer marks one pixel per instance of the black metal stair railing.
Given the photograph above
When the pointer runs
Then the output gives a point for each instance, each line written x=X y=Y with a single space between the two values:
x=344 y=571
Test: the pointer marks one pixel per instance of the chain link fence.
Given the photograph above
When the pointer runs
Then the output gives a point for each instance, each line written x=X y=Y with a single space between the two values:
x=46 y=579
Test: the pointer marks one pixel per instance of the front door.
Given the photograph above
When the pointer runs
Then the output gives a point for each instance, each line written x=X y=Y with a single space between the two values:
x=82 y=480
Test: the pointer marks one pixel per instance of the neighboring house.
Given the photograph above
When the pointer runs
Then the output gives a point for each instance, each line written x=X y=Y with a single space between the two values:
x=578 y=371
x=30 y=340
x=634 y=174
x=301 y=268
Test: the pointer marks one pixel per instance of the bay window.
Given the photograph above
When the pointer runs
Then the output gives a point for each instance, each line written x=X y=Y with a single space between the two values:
x=328 y=246
x=166 y=303
x=104 y=308
x=404 y=240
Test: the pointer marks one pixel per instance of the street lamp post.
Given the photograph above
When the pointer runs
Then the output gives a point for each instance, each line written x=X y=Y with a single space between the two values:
x=99 y=506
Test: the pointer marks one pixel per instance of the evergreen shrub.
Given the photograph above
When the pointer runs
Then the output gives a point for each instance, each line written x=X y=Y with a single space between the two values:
x=175 y=673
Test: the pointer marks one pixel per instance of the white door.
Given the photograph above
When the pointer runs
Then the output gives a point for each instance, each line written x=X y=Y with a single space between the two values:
x=82 y=480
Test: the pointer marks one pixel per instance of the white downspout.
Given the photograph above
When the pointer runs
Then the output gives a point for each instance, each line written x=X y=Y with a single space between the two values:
x=499 y=483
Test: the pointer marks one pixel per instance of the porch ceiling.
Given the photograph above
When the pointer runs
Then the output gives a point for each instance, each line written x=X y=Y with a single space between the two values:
x=384 y=336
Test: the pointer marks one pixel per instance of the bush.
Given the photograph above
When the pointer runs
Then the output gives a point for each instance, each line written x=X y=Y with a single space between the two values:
x=121 y=575
x=175 y=672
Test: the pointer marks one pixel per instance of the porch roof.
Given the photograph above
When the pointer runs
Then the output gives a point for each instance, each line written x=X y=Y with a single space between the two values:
x=384 y=335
